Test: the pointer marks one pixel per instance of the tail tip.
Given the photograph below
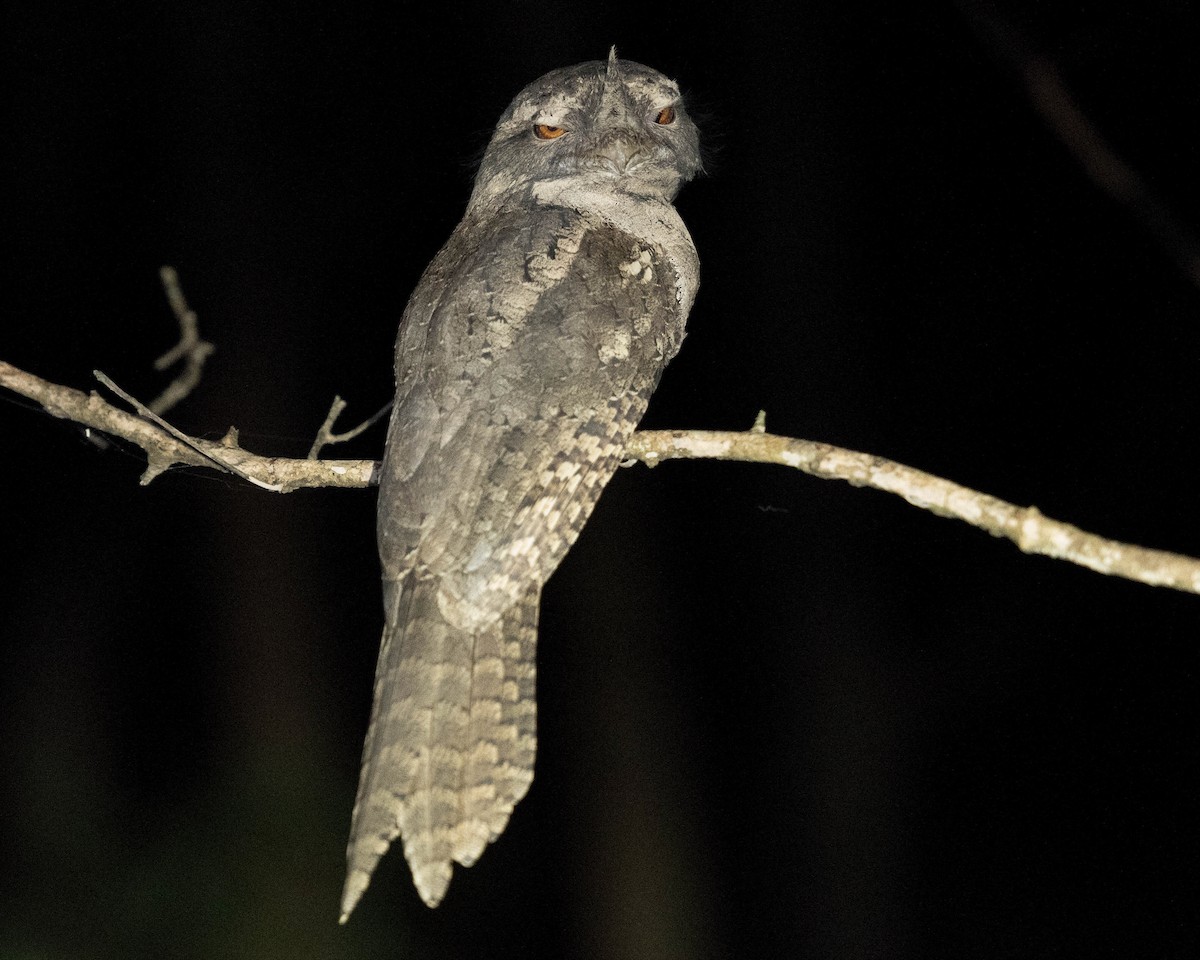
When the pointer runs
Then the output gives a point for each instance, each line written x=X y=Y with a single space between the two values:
x=431 y=880
x=356 y=885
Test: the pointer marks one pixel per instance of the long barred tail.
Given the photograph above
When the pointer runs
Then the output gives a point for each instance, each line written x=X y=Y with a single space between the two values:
x=451 y=743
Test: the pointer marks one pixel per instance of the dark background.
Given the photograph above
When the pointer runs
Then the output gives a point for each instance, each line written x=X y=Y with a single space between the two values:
x=778 y=717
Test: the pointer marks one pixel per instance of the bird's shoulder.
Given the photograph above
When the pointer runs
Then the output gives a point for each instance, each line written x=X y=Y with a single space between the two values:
x=509 y=274
x=501 y=261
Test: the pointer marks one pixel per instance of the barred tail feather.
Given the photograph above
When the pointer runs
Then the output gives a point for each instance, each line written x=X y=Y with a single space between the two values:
x=503 y=727
x=451 y=742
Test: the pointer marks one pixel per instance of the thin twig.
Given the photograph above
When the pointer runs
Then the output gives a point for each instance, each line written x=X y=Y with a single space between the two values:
x=326 y=436
x=190 y=348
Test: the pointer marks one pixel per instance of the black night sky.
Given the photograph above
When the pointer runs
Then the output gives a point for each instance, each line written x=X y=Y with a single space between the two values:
x=779 y=717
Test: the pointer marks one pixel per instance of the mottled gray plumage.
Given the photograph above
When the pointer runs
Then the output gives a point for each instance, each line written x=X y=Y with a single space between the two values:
x=525 y=359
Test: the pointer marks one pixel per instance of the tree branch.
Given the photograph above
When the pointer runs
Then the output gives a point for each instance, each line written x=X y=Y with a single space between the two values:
x=165 y=450
x=153 y=469
x=1028 y=528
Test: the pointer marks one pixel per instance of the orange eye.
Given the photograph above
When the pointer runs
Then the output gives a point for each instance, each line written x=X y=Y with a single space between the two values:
x=665 y=115
x=543 y=131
